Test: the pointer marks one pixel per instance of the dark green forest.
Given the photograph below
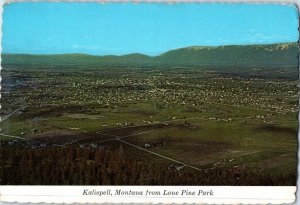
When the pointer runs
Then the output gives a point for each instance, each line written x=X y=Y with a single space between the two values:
x=76 y=166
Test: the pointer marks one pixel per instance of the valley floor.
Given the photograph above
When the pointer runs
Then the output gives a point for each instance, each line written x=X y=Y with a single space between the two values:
x=179 y=120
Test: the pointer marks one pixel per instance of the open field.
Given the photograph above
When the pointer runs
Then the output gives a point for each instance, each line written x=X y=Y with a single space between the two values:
x=181 y=118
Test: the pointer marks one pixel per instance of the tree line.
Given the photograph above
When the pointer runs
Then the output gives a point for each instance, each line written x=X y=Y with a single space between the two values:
x=76 y=166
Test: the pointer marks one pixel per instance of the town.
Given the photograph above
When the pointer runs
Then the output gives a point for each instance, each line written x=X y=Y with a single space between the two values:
x=177 y=118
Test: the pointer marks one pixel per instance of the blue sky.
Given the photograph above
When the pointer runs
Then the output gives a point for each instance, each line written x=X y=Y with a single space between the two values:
x=121 y=28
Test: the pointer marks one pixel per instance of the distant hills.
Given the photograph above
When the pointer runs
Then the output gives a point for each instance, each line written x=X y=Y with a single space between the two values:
x=271 y=55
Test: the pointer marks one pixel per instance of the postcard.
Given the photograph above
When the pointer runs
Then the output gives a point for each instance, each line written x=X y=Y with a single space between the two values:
x=149 y=102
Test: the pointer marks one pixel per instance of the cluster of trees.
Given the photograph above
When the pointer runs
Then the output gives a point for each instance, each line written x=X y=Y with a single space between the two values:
x=76 y=166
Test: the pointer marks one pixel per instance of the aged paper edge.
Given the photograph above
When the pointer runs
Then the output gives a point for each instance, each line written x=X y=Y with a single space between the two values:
x=222 y=194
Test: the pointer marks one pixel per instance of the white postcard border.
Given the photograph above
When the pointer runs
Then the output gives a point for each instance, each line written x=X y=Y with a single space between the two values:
x=150 y=194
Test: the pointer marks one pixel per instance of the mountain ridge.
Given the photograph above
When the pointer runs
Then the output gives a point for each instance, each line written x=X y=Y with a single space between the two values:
x=261 y=55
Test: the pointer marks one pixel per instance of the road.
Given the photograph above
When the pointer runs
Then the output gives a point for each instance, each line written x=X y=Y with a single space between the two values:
x=120 y=139
x=12 y=113
x=159 y=155
x=15 y=137
x=28 y=139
